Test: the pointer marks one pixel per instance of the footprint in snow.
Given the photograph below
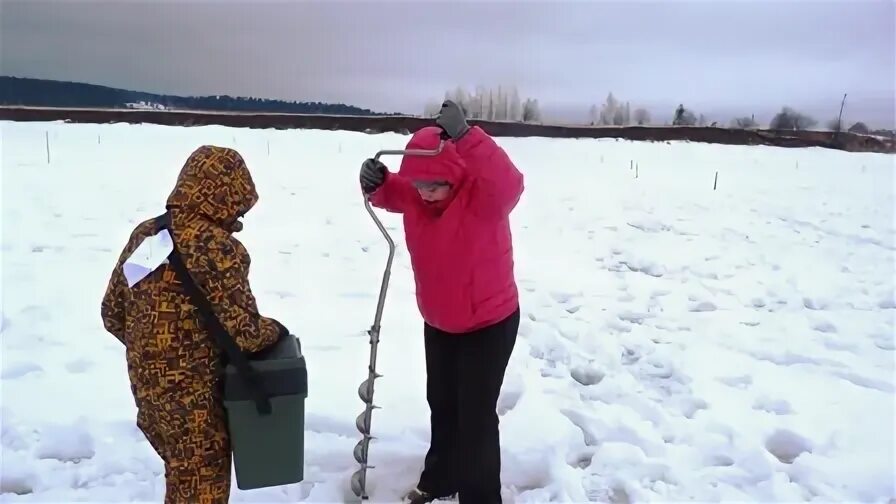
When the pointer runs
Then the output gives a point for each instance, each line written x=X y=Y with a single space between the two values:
x=630 y=356
x=78 y=365
x=885 y=342
x=66 y=443
x=789 y=358
x=887 y=303
x=626 y=298
x=863 y=381
x=18 y=370
x=739 y=382
x=511 y=393
x=586 y=375
x=619 y=326
x=815 y=303
x=659 y=368
x=12 y=437
x=17 y=482
x=840 y=346
x=562 y=297
x=580 y=459
x=787 y=445
x=703 y=306
x=689 y=406
x=646 y=267
x=719 y=460
x=589 y=426
x=633 y=316
x=824 y=326
x=776 y=406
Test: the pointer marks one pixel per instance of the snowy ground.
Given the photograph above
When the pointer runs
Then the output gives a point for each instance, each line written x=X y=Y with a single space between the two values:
x=678 y=343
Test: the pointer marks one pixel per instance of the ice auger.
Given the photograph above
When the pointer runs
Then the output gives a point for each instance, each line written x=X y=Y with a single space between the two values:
x=365 y=390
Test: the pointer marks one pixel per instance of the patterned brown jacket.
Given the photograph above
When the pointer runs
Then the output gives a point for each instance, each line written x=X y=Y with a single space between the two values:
x=168 y=349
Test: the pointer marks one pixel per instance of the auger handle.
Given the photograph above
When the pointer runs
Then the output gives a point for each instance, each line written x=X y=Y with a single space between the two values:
x=387 y=273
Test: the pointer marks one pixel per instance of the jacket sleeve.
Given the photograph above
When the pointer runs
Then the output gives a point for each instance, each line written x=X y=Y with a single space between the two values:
x=499 y=183
x=228 y=291
x=396 y=195
x=112 y=309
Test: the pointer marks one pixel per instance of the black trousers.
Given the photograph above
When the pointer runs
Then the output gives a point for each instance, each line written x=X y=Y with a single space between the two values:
x=464 y=374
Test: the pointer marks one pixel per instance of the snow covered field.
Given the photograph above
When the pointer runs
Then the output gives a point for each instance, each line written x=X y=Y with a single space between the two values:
x=678 y=343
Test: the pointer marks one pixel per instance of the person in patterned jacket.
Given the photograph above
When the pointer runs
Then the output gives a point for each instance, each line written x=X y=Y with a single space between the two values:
x=174 y=365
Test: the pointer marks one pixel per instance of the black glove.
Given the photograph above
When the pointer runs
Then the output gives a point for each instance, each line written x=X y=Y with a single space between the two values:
x=373 y=174
x=452 y=120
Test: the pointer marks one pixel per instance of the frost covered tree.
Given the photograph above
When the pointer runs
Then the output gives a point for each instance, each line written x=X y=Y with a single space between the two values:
x=431 y=109
x=502 y=107
x=612 y=112
x=860 y=128
x=516 y=108
x=744 y=123
x=683 y=117
x=490 y=113
x=642 y=116
x=491 y=104
x=531 y=111
x=479 y=102
x=608 y=112
x=619 y=117
x=790 y=119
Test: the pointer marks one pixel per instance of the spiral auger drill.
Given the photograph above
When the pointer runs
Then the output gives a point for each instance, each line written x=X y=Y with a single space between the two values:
x=365 y=390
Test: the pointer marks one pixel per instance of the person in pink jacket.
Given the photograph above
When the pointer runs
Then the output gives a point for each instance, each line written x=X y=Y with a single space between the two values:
x=456 y=208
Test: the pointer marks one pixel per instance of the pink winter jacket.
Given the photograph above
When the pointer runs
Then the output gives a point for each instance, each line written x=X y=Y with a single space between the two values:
x=461 y=248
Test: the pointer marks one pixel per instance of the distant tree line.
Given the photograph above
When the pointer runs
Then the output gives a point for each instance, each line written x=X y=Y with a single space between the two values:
x=49 y=93
x=614 y=112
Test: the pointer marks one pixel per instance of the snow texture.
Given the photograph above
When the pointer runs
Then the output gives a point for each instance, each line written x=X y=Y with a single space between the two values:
x=677 y=343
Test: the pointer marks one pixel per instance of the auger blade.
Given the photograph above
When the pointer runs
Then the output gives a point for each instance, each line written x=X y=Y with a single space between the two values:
x=361 y=450
x=359 y=482
x=365 y=390
x=363 y=422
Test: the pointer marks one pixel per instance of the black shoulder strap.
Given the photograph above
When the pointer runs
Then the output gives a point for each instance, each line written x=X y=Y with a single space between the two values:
x=218 y=331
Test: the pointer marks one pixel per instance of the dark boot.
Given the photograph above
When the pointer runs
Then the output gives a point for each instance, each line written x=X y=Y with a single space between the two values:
x=417 y=496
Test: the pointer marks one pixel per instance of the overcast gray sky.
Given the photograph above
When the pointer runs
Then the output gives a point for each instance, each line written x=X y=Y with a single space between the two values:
x=718 y=57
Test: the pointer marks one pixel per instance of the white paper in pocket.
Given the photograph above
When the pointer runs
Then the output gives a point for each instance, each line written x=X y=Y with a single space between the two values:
x=152 y=253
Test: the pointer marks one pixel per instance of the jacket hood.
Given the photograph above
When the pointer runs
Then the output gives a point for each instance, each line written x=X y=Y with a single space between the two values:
x=446 y=166
x=215 y=183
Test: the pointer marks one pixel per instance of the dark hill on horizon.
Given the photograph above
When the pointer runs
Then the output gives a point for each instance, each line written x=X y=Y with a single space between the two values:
x=29 y=92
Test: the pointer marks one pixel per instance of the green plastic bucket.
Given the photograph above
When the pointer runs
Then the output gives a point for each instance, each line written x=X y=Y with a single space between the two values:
x=269 y=450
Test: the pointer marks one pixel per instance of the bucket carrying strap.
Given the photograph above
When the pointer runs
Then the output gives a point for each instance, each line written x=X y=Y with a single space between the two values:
x=218 y=331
